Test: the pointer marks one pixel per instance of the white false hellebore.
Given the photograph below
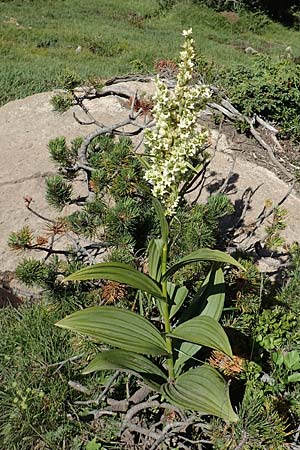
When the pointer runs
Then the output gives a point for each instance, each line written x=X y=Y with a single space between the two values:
x=175 y=138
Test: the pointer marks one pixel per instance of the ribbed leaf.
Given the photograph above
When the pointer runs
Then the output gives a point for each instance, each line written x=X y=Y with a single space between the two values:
x=120 y=272
x=213 y=300
x=202 y=389
x=162 y=219
x=118 y=328
x=209 y=302
x=203 y=330
x=122 y=359
x=177 y=296
x=294 y=378
x=185 y=352
x=154 y=258
x=128 y=362
x=204 y=254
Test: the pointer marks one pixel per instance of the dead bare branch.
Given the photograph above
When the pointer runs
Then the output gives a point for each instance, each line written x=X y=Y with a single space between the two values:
x=243 y=442
x=232 y=113
x=135 y=409
x=78 y=387
x=132 y=77
x=265 y=124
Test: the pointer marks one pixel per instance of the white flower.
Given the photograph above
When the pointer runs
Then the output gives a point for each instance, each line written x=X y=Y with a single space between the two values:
x=175 y=138
x=187 y=32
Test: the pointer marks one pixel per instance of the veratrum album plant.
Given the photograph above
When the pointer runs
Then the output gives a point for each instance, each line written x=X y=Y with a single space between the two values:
x=158 y=354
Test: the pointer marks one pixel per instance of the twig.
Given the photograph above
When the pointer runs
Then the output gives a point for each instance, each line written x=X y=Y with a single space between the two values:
x=107 y=93
x=265 y=124
x=243 y=441
x=107 y=131
x=144 y=431
x=78 y=387
x=135 y=409
x=50 y=247
x=270 y=153
x=171 y=428
x=152 y=428
x=131 y=114
x=46 y=219
x=222 y=110
x=103 y=393
x=108 y=386
x=139 y=143
x=132 y=77
x=232 y=113
x=140 y=394
x=81 y=122
x=51 y=251
x=60 y=364
x=199 y=441
x=101 y=412
x=80 y=103
x=85 y=167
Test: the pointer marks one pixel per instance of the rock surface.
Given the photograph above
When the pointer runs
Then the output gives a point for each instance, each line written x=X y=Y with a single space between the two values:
x=27 y=125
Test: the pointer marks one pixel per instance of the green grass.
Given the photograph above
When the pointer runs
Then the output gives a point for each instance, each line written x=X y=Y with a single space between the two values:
x=35 y=399
x=38 y=39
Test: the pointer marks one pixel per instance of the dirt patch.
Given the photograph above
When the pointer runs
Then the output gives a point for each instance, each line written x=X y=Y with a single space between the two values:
x=230 y=16
x=287 y=152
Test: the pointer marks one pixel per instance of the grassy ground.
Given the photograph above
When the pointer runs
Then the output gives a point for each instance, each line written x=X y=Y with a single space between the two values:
x=38 y=39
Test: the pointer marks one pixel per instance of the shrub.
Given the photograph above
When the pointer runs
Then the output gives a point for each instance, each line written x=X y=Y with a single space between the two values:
x=268 y=88
x=275 y=8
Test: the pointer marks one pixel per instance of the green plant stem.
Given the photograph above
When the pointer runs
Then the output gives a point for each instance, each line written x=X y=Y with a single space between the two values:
x=166 y=314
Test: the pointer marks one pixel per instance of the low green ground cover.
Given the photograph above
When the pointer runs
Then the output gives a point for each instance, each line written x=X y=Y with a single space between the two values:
x=38 y=40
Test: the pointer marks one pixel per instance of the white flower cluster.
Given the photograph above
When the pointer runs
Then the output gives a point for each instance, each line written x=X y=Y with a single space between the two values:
x=175 y=140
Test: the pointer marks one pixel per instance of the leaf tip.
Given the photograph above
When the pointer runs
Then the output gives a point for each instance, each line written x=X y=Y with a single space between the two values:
x=68 y=278
x=60 y=324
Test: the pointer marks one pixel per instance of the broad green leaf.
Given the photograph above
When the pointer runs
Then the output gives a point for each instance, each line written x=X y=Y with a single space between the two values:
x=210 y=302
x=213 y=300
x=186 y=351
x=202 y=389
x=203 y=330
x=118 y=328
x=294 y=378
x=162 y=219
x=92 y=445
x=154 y=258
x=177 y=296
x=128 y=362
x=120 y=272
x=203 y=254
x=291 y=360
x=278 y=358
x=123 y=359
